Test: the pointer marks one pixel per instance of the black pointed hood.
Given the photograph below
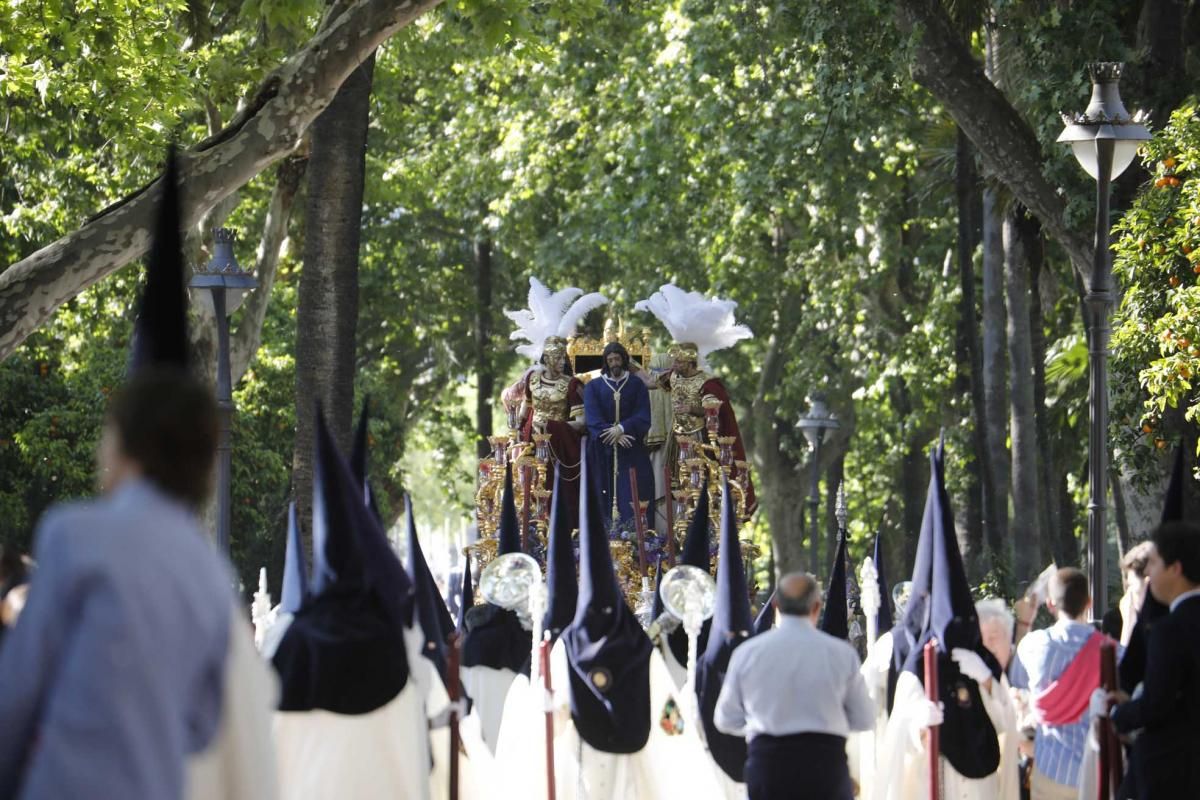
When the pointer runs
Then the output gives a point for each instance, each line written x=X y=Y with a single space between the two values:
x=367 y=559
x=732 y=624
x=509 y=534
x=884 y=616
x=562 y=585
x=466 y=595
x=658 y=609
x=607 y=650
x=835 y=619
x=429 y=608
x=355 y=623
x=766 y=616
x=941 y=607
x=696 y=551
x=160 y=334
x=295 y=576
x=494 y=636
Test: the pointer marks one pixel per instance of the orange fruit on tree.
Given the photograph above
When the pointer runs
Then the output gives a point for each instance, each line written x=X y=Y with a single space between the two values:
x=1174 y=281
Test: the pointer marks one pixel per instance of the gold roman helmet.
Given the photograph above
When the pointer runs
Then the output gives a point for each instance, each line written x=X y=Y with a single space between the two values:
x=554 y=347
x=684 y=351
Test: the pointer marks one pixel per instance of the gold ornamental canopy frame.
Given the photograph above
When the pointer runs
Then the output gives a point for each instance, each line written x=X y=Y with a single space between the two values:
x=586 y=353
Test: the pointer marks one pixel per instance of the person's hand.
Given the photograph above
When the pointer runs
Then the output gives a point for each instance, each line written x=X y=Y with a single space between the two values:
x=625 y=441
x=926 y=715
x=929 y=714
x=1098 y=704
x=611 y=435
x=971 y=665
x=1116 y=697
x=1026 y=607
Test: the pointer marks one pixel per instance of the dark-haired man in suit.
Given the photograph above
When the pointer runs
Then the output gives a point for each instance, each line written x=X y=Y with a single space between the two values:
x=1165 y=763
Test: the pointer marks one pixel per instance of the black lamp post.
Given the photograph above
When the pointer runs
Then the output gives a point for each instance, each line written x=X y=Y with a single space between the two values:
x=814 y=424
x=228 y=283
x=1105 y=139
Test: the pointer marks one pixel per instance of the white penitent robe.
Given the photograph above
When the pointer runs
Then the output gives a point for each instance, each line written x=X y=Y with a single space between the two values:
x=239 y=763
x=693 y=772
x=864 y=749
x=488 y=690
x=474 y=759
x=384 y=753
x=903 y=771
x=671 y=765
x=677 y=671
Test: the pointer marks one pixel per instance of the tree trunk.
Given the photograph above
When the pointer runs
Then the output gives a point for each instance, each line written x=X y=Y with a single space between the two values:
x=271 y=123
x=775 y=470
x=1051 y=469
x=981 y=495
x=485 y=370
x=995 y=375
x=1020 y=246
x=327 y=313
x=995 y=361
x=245 y=341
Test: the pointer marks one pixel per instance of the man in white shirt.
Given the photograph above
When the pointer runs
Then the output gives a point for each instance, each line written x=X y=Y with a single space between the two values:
x=795 y=693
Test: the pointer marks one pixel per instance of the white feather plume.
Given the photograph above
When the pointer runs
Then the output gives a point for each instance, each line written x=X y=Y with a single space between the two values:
x=550 y=314
x=578 y=310
x=691 y=317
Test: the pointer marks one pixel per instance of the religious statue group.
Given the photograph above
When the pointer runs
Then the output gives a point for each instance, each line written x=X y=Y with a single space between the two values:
x=635 y=416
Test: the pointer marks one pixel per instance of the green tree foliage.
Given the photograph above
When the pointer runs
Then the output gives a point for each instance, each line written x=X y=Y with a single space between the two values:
x=1157 y=259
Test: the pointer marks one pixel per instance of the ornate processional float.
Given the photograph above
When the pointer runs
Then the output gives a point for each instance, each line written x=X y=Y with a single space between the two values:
x=694 y=439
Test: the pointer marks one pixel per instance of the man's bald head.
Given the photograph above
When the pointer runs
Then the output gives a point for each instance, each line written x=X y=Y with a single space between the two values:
x=798 y=594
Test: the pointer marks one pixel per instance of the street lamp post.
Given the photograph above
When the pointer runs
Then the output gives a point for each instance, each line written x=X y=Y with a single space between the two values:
x=1105 y=139
x=227 y=284
x=814 y=424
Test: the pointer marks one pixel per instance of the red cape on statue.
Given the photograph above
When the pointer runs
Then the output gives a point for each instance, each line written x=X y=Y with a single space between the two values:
x=729 y=427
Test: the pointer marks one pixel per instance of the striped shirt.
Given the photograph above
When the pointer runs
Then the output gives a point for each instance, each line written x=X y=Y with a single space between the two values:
x=1045 y=654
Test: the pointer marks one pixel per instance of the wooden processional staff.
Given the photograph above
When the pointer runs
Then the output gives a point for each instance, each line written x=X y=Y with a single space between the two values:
x=453 y=689
x=1110 y=744
x=544 y=660
x=931 y=693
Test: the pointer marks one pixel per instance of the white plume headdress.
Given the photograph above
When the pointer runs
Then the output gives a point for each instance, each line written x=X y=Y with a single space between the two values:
x=550 y=314
x=690 y=317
